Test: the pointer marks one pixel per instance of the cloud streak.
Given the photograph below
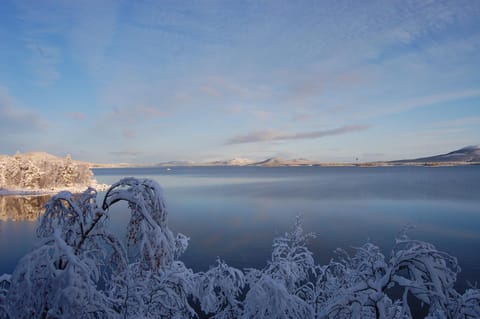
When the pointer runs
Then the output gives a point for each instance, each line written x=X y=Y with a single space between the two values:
x=126 y=153
x=17 y=120
x=136 y=113
x=264 y=136
x=80 y=116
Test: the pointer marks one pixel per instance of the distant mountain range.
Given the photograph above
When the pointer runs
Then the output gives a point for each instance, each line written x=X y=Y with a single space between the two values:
x=275 y=161
x=463 y=156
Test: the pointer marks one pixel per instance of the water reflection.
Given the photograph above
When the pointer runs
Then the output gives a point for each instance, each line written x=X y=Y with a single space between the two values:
x=234 y=213
x=22 y=208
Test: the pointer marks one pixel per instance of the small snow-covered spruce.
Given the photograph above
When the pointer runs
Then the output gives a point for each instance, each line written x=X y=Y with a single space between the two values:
x=80 y=270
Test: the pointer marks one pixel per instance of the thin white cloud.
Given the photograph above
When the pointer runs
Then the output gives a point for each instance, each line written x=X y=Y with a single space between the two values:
x=125 y=153
x=302 y=117
x=459 y=122
x=80 y=116
x=44 y=61
x=127 y=121
x=93 y=32
x=129 y=133
x=261 y=114
x=430 y=100
x=136 y=113
x=15 y=119
x=87 y=33
x=263 y=136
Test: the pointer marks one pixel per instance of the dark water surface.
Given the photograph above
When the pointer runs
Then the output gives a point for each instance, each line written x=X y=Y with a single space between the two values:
x=235 y=212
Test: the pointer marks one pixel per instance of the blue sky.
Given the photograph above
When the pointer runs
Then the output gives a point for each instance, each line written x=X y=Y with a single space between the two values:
x=153 y=81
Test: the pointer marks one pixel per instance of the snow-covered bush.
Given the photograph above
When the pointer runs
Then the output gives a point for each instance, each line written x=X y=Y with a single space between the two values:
x=79 y=270
x=283 y=288
x=218 y=291
x=5 y=281
x=59 y=278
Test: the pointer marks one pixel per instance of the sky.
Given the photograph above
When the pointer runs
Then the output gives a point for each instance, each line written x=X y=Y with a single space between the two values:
x=154 y=81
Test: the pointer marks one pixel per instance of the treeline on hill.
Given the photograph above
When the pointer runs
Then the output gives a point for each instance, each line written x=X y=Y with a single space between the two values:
x=80 y=270
x=33 y=171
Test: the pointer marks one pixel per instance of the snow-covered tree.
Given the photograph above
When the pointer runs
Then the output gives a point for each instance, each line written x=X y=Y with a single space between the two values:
x=155 y=243
x=3 y=168
x=156 y=284
x=59 y=278
x=11 y=172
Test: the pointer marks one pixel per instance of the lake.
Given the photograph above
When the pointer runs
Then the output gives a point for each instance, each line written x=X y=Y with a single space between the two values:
x=233 y=213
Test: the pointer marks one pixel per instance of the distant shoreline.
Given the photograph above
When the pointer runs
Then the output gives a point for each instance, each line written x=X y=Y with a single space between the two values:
x=368 y=164
x=469 y=155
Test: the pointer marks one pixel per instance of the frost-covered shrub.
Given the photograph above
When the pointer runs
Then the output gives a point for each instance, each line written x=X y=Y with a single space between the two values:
x=79 y=270
x=283 y=288
x=5 y=282
x=218 y=291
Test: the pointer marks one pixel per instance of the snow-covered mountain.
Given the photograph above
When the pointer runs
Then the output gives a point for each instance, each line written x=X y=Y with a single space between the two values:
x=276 y=161
x=233 y=162
x=176 y=163
x=468 y=154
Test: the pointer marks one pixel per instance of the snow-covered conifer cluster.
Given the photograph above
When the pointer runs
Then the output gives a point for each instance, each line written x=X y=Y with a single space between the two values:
x=42 y=172
x=80 y=270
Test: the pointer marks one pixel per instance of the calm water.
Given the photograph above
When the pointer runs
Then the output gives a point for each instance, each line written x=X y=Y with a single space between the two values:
x=234 y=213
